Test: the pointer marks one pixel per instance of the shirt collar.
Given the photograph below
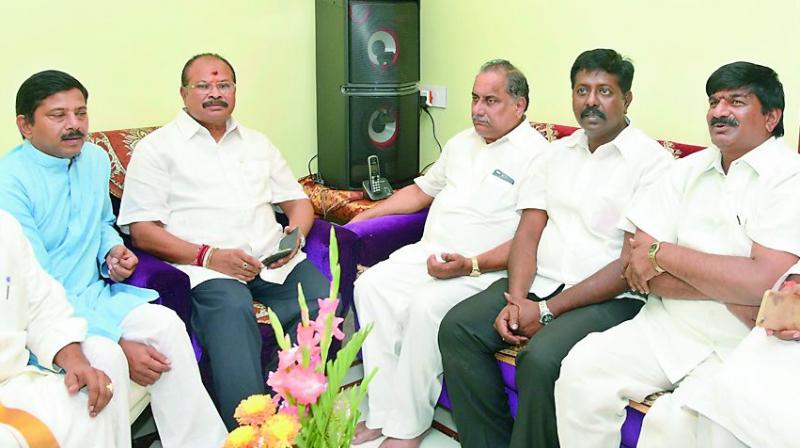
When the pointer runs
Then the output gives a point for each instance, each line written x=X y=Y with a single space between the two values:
x=44 y=159
x=519 y=136
x=625 y=142
x=188 y=126
x=764 y=159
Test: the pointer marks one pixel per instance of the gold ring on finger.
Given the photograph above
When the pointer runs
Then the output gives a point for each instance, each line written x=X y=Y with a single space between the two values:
x=110 y=387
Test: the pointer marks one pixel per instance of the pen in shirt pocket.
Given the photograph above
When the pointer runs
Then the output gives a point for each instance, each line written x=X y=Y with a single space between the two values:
x=8 y=286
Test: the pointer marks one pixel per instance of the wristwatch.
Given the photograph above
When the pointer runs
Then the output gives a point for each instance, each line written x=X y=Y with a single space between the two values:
x=475 y=269
x=545 y=316
x=651 y=254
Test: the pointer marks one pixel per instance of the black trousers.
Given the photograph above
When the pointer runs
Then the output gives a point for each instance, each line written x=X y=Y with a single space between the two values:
x=468 y=341
x=223 y=320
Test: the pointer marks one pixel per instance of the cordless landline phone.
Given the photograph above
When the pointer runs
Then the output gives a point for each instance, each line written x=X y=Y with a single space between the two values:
x=375 y=186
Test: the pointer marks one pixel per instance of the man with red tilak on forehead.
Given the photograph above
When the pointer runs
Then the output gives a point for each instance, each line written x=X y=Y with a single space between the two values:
x=199 y=193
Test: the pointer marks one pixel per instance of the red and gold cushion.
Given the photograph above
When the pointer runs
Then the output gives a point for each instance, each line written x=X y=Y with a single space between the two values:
x=337 y=206
x=119 y=145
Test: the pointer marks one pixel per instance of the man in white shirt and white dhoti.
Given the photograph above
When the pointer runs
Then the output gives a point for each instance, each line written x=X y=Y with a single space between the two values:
x=472 y=190
x=42 y=363
x=711 y=238
x=748 y=403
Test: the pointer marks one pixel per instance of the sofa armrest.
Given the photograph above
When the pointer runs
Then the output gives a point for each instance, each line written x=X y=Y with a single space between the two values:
x=317 y=247
x=381 y=236
x=172 y=284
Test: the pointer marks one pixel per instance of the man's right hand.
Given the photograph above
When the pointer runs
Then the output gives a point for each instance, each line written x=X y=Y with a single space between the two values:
x=236 y=263
x=96 y=382
x=145 y=363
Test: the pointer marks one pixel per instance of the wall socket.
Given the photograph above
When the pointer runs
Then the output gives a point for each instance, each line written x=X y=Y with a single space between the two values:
x=435 y=96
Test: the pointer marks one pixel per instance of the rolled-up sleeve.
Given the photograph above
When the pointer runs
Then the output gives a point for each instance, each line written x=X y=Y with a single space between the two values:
x=654 y=208
x=435 y=179
x=283 y=184
x=533 y=189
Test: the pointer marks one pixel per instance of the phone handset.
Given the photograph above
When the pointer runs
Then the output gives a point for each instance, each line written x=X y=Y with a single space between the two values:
x=375 y=186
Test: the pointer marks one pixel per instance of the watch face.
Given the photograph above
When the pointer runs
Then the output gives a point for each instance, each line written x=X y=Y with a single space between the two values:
x=546 y=319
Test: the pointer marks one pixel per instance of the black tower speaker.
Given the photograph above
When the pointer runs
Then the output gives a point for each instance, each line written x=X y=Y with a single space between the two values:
x=367 y=91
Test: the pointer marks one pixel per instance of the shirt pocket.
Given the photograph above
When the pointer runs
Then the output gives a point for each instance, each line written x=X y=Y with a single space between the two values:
x=256 y=177
x=495 y=195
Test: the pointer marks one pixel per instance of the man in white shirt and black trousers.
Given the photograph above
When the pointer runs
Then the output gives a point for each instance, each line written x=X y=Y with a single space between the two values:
x=199 y=193
x=565 y=265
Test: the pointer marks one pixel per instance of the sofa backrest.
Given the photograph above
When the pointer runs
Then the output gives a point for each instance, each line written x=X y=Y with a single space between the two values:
x=119 y=145
x=552 y=132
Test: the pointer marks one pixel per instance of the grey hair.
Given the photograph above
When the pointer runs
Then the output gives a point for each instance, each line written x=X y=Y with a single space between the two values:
x=516 y=83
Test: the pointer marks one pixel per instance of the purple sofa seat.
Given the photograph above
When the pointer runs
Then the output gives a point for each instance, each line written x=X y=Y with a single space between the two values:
x=172 y=284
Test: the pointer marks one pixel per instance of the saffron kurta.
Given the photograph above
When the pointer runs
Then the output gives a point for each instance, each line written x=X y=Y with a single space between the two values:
x=65 y=211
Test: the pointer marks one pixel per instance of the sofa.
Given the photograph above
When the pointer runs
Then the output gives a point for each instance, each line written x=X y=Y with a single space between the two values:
x=173 y=285
x=379 y=237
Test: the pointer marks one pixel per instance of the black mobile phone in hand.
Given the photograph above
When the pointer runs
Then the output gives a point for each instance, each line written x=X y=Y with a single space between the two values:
x=285 y=247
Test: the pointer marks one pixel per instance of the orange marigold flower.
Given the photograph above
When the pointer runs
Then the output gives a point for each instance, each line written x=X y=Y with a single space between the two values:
x=280 y=430
x=242 y=437
x=254 y=410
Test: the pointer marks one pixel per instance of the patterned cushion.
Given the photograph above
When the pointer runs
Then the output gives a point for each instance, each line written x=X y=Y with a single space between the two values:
x=337 y=206
x=119 y=145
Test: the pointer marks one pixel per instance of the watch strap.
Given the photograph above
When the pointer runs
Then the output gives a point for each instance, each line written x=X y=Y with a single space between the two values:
x=476 y=271
x=651 y=254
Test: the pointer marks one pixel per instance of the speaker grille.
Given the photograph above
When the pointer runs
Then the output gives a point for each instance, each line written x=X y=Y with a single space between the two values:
x=386 y=126
x=384 y=42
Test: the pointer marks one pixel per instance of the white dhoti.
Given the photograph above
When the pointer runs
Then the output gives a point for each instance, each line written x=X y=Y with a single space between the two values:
x=45 y=396
x=754 y=394
x=406 y=306
x=182 y=409
x=605 y=370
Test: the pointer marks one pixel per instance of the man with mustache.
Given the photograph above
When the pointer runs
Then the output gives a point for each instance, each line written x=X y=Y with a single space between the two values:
x=565 y=265
x=711 y=237
x=471 y=191
x=56 y=185
x=199 y=193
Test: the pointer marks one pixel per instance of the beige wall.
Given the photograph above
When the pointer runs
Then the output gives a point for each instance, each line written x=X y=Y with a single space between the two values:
x=674 y=44
x=129 y=55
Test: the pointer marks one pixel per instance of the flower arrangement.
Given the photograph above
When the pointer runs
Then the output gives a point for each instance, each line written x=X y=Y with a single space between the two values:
x=310 y=409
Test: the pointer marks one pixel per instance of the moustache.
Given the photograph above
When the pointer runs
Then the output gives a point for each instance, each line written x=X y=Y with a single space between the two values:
x=593 y=110
x=75 y=133
x=730 y=121
x=215 y=102
x=480 y=119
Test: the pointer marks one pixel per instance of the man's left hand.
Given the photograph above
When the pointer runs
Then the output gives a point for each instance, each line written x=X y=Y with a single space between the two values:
x=640 y=270
x=121 y=262
x=282 y=261
x=451 y=266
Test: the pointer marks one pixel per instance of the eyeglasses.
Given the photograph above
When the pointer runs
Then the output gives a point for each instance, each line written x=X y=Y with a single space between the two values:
x=205 y=87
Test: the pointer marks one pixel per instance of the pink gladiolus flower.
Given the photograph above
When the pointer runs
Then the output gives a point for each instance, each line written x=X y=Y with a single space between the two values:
x=288 y=358
x=327 y=306
x=305 y=385
x=307 y=336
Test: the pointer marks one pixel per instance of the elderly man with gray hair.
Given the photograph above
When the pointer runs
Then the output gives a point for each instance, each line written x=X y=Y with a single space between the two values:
x=472 y=193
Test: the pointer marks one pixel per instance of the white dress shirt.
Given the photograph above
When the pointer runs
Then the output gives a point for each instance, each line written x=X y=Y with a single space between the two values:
x=585 y=195
x=475 y=187
x=209 y=192
x=35 y=316
x=698 y=206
